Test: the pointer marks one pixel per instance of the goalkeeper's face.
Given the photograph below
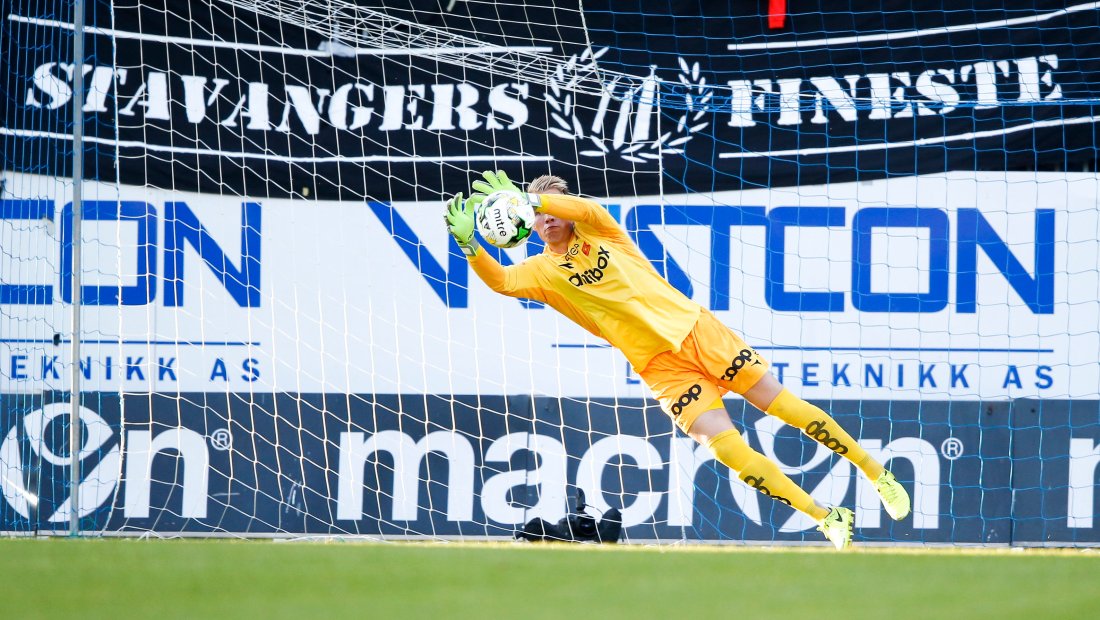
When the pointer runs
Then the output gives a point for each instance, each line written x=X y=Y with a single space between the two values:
x=554 y=231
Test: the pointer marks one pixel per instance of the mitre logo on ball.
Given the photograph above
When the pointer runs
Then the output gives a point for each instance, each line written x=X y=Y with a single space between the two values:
x=505 y=219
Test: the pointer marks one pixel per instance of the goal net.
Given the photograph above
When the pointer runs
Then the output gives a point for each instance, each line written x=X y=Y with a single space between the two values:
x=254 y=322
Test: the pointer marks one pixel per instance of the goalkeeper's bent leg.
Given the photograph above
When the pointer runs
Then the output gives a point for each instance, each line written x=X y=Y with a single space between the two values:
x=821 y=427
x=755 y=470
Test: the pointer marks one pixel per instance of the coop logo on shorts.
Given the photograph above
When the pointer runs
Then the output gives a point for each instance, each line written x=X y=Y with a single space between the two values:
x=33 y=440
x=626 y=122
x=688 y=397
x=738 y=363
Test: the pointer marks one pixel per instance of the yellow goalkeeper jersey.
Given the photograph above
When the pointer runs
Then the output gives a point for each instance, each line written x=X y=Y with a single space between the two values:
x=603 y=283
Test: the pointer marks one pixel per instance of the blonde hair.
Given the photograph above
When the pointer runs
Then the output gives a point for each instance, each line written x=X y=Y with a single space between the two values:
x=547 y=182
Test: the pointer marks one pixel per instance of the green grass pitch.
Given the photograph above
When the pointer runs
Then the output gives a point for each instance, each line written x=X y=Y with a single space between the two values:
x=124 y=578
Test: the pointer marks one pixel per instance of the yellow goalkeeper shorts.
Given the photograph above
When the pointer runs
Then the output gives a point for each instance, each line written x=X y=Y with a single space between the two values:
x=712 y=361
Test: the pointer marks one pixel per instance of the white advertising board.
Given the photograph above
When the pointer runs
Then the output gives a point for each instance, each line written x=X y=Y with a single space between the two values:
x=951 y=286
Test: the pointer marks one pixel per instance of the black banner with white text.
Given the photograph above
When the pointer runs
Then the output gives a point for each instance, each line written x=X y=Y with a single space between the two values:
x=205 y=96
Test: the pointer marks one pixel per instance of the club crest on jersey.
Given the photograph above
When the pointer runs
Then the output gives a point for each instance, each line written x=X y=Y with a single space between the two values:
x=593 y=274
x=570 y=254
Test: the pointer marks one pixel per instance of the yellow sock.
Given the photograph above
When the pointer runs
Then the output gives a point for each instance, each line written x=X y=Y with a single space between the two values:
x=824 y=429
x=755 y=470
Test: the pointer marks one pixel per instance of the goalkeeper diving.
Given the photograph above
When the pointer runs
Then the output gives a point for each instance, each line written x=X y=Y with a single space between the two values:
x=592 y=272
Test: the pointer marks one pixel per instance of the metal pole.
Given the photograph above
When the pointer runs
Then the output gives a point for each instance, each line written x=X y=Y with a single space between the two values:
x=75 y=435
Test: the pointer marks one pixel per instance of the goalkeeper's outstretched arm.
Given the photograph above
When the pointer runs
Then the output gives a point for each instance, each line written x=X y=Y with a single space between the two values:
x=577 y=209
x=512 y=281
x=561 y=206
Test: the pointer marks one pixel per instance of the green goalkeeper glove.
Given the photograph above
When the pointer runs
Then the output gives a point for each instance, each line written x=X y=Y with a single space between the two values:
x=499 y=182
x=474 y=201
x=495 y=182
x=460 y=222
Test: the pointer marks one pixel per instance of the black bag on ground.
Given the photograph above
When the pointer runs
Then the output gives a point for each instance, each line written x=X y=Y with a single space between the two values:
x=577 y=527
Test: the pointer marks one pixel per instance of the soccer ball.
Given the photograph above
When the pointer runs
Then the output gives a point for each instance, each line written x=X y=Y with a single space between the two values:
x=505 y=219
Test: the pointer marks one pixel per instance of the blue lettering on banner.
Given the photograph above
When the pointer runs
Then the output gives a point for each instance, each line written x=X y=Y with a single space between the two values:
x=1043 y=378
x=882 y=375
x=840 y=373
x=18 y=367
x=924 y=375
x=865 y=220
x=219 y=370
x=974 y=232
x=775 y=293
x=809 y=374
x=450 y=284
x=251 y=369
x=133 y=368
x=49 y=367
x=40 y=294
x=165 y=369
x=181 y=228
x=139 y=294
x=871 y=376
x=780 y=369
x=958 y=375
x=639 y=223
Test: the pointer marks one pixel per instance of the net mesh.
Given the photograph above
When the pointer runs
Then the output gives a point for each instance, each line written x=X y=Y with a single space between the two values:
x=278 y=337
